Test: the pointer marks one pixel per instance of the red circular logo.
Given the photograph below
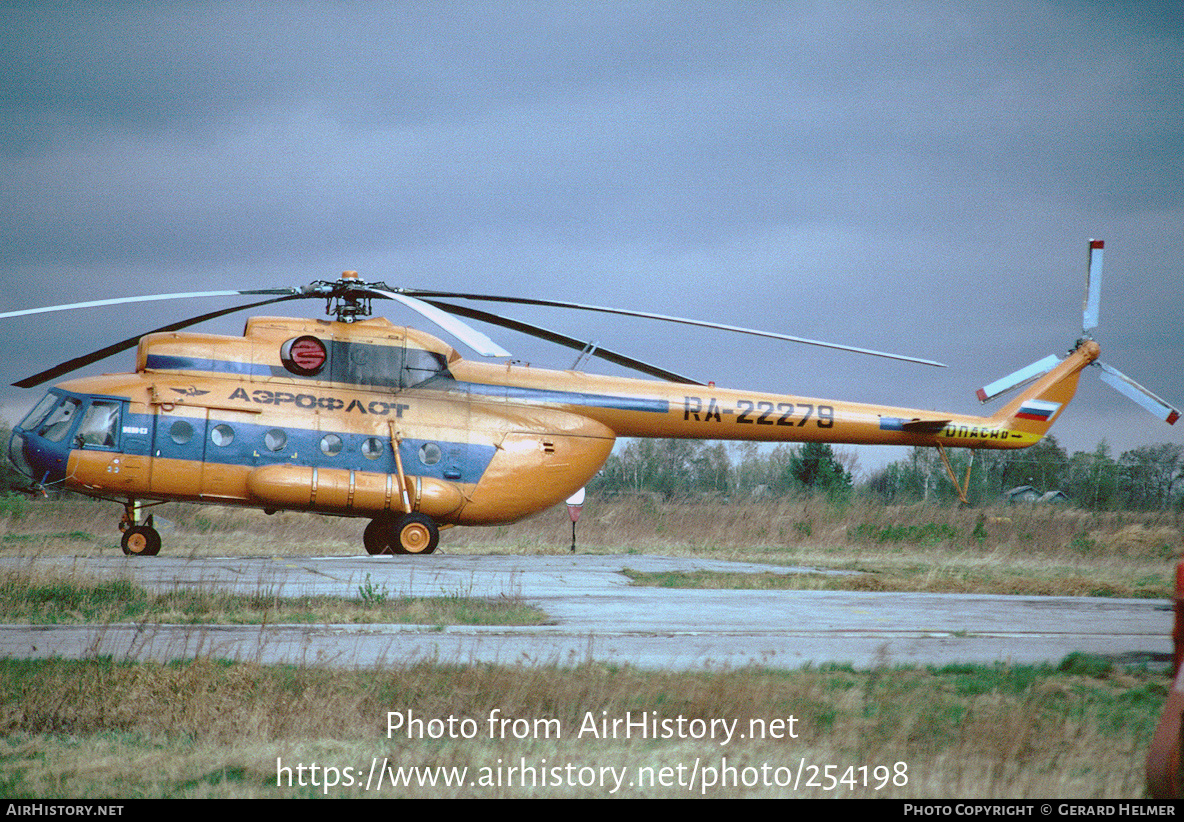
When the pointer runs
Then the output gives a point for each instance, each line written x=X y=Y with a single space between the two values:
x=304 y=355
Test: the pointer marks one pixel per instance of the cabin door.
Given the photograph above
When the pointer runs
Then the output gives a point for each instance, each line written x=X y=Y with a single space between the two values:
x=178 y=451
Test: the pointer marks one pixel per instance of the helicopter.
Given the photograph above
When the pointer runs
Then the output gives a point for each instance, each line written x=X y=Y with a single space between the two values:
x=353 y=416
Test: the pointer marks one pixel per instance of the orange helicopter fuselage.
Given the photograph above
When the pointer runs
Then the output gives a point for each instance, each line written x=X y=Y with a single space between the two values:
x=362 y=418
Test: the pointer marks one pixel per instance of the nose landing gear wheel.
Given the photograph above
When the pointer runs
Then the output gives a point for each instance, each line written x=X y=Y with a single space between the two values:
x=140 y=540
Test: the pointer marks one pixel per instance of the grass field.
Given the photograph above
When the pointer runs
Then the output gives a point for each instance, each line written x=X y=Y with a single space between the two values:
x=207 y=728
x=1013 y=550
x=52 y=597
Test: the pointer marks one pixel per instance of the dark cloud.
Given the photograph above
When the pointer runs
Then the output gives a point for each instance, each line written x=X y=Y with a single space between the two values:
x=906 y=176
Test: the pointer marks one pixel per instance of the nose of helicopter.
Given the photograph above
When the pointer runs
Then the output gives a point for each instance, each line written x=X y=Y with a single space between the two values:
x=40 y=444
x=16 y=454
x=41 y=461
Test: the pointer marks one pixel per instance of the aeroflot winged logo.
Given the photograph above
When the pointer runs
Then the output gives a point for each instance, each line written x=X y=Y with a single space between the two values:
x=303 y=355
x=191 y=391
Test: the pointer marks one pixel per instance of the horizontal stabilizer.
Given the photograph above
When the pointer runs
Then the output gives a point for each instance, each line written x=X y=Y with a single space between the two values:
x=1018 y=378
x=1132 y=390
x=913 y=426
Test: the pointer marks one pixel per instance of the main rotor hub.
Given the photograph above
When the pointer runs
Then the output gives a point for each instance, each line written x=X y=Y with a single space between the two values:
x=348 y=298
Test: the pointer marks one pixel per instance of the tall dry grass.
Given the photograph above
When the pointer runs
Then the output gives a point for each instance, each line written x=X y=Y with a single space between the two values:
x=626 y=524
x=204 y=728
x=1025 y=549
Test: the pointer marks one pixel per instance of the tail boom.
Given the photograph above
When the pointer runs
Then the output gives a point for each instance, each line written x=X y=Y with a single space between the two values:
x=644 y=408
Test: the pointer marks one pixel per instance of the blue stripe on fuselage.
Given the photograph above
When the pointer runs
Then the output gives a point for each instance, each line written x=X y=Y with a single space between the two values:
x=575 y=398
x=580 y=399
x=458 y=461
x=166 y=362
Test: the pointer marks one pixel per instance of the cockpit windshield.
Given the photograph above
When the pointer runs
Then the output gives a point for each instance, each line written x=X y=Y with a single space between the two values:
x=53 y=417
x=32 y=447
x=39 y=411
x=59 y=421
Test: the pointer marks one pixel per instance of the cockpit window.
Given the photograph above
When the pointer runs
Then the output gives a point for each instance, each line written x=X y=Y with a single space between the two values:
x=58 y=423
x=100 y=425
x=29 y=423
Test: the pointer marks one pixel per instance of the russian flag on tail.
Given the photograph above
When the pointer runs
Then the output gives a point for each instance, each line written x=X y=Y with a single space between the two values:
x=1039 y=410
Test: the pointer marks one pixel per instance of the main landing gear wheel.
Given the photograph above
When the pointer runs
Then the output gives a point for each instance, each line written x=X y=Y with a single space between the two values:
x=140 y=540
x=377 y=536
x=416 y=534
x=412 y=533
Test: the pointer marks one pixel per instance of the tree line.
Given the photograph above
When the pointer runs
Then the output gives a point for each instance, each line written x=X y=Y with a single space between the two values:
x=1147 y=478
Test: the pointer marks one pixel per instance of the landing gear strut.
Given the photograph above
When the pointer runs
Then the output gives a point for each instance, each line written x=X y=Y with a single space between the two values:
x=964 y=486
x=138 y=539
x=412 y=533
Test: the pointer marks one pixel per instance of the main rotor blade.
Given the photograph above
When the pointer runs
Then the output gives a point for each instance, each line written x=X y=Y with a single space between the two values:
x=1132 y=390
x=564 y=340
x=665 y=318
x=463 y=332
x=1093 y=288
x=145 y=299
x=130 y=342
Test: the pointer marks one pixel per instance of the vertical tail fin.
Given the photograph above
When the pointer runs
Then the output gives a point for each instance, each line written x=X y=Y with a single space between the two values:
x=1034 y=411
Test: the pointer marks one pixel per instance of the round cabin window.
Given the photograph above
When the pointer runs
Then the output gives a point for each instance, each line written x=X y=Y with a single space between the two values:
x=181 y=432
x=330 y=445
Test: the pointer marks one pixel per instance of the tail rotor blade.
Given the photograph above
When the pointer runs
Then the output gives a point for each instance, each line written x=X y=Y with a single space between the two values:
x=1132 y=390
x=1018 y=378
x=1093 y=287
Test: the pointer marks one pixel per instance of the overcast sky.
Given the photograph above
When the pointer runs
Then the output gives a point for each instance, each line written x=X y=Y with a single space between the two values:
x=915 y=177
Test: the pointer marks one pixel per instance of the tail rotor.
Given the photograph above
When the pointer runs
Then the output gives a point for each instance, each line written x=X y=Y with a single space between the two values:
x=1108 y=374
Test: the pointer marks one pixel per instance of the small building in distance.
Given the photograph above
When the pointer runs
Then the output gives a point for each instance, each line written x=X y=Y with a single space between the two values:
x=1026 y=493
